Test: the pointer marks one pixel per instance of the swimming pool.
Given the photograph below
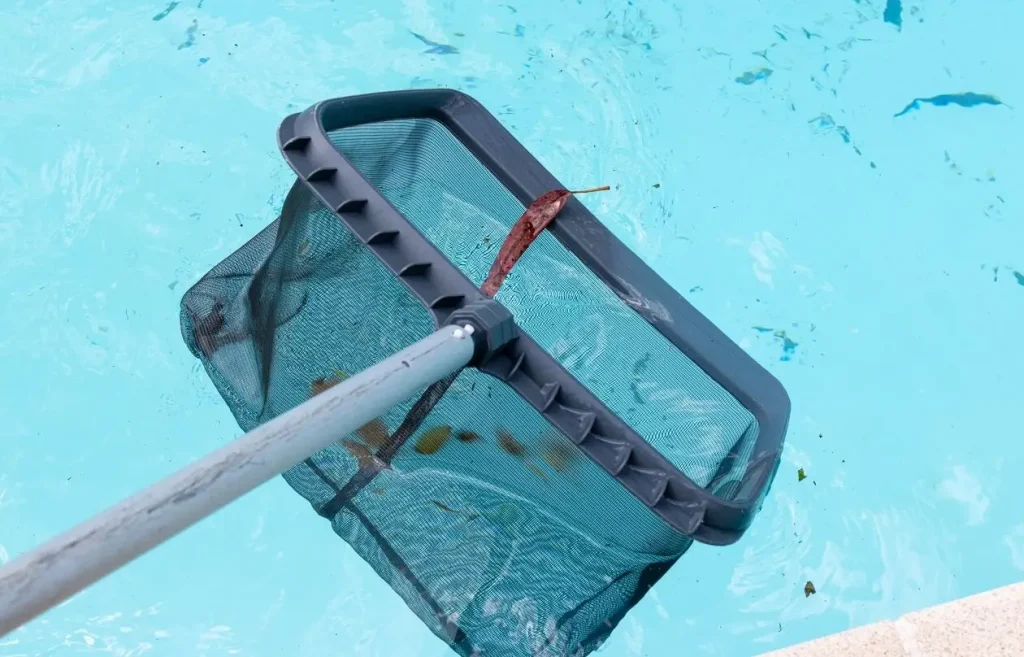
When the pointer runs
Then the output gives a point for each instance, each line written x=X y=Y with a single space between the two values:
x=834 y=190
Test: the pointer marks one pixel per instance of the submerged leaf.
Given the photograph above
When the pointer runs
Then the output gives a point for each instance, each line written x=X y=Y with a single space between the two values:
x=537 y=471
x=323 y=383
x=526 y=229
x=800 y=476
x=558 y=456
x=205 y=330
x=375 y=433
x=809 y=589
x=210 y=332
x=433 y=439
x=467 y=436
x=447 y=509
x=509 y=444
x=363 y=455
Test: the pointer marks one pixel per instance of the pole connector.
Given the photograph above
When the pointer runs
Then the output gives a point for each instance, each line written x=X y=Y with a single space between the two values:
x=493 y=327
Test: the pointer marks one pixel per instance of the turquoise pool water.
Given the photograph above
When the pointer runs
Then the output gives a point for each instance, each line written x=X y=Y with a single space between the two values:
x=838 y=188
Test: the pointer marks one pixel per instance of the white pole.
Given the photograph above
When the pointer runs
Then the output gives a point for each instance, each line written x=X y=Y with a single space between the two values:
x=53 y=572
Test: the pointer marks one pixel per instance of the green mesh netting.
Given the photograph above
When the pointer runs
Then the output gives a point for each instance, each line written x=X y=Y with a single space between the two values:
x=437 y=184
x=492 y=525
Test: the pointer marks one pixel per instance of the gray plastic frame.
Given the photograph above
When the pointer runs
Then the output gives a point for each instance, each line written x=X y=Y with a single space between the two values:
x=522 y=364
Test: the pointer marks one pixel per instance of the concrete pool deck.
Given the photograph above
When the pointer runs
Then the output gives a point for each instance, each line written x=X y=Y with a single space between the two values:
x=989 y=624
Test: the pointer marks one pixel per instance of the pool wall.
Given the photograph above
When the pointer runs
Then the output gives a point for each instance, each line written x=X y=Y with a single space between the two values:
x=982 y=624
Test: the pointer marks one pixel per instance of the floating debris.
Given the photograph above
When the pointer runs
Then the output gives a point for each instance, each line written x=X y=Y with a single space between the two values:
x=800 y=476
x=826 y=123
x=788 y=345
x=167 y=11
x=447 y=509
x=323 y=383
x=509 y=444
x=541 y=212
x=375 y=433
x=433 y=440
x=468 y=436
x=750 y=77
x=893 y=13
x=190 y=35
x=967 y=99
x=435 y=47
x=809 y=589
x=537 y=471
x=1018 y=276
x=364 y=457
x=639 y=369
x=558 y=456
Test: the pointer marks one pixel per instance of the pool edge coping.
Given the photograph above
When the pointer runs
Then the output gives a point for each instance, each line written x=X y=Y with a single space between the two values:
x=986 y=623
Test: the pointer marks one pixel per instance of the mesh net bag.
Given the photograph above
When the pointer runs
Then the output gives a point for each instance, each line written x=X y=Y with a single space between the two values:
x=521 y=508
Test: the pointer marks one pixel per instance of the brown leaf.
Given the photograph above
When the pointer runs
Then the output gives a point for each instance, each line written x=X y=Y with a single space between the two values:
x=526 y=229
x=321 y=385
x=324 y=383
x=205 y=330
x=210 y=332
x=361 y=453
x=467 y=436
x=447 y=509
x=809 y=589
x=509 y=444
x=558 y=456
x=433 y=439
x=537 y=471
x=374 y=433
